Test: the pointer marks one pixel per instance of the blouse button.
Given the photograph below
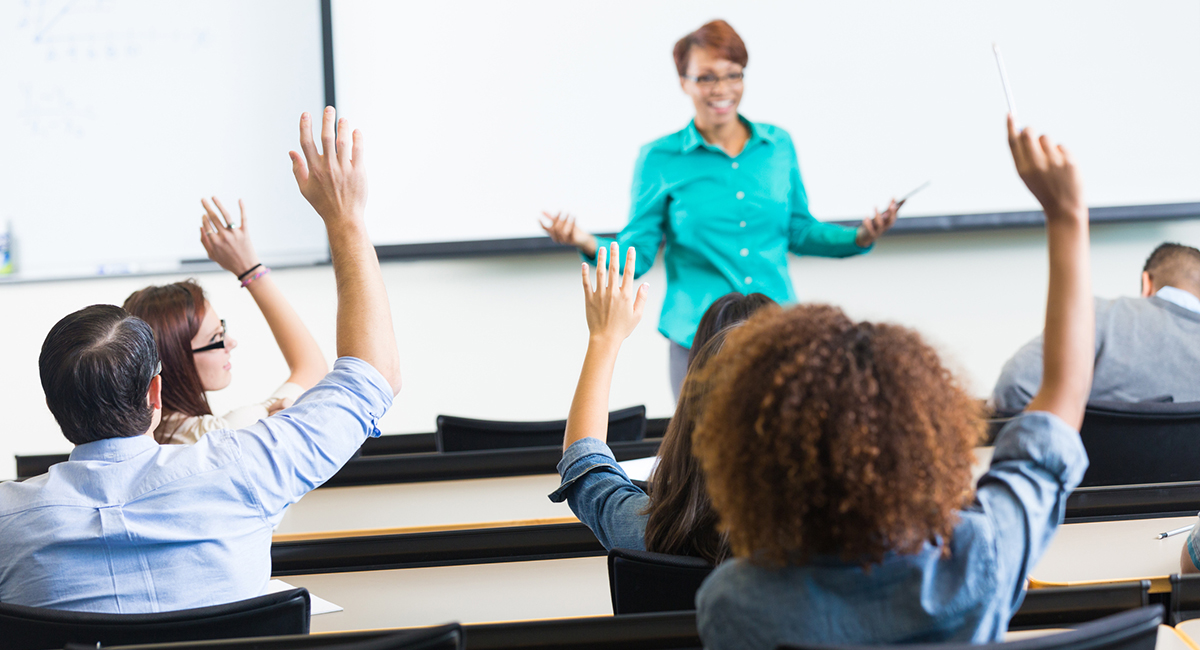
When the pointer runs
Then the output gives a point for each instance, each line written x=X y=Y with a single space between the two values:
x=735 y=165
x=745 y=252
x=741 y=195
x=749 y=279
x=742 y=224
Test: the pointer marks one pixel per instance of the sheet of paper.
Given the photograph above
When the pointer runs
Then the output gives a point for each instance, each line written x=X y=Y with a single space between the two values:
x=317 y=605
x=639 y=469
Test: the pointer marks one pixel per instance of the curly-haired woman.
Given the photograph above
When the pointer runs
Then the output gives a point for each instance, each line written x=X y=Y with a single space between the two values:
x=676 y=516
x=838 y=454
x=195 y=346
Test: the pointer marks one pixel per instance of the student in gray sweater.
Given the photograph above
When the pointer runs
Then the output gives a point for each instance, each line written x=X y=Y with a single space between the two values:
x=1147 y=348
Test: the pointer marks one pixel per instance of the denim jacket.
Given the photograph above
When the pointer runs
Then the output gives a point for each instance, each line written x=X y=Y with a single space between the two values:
x=601 y=495
x=966 y=594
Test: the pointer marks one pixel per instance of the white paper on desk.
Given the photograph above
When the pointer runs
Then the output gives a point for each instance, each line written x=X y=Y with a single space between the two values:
x=639 y=469
x=316 y=604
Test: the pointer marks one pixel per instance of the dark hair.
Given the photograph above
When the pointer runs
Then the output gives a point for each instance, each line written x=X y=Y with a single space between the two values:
x=96 y=365
x=1174 y=264
x=714 y=35
x=823 y=436
x=175 y=311
x=729 y=309
x=681 y=520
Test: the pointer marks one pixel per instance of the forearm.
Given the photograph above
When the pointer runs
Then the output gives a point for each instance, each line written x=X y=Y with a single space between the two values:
x=1068 y=348
x=364 y=317
x=589 y=408
x=299 y=348
x=588 y=246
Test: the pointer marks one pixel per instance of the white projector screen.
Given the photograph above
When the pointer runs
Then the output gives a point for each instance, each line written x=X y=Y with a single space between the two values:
x=121 y=114
x=481 y=114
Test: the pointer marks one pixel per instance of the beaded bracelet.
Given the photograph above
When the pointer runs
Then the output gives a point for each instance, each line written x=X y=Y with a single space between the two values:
x=262 y=272
x=248 y=272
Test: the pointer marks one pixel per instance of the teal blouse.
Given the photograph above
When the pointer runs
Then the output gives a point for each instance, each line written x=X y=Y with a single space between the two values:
x=728 y=222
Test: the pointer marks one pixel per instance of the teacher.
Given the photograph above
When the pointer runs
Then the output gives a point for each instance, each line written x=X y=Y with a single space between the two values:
x=724 y=194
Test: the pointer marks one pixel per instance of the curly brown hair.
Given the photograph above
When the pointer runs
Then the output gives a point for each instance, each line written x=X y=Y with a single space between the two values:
x=822 y=436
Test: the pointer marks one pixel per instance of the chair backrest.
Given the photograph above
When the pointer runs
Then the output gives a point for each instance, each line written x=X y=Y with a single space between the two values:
x=1131 y=630
x=642 y=582
x=443 y=637
x=1143 y=442
x=35 y=628
x=1185 y=598
x=1067 y=606
x=465 y=434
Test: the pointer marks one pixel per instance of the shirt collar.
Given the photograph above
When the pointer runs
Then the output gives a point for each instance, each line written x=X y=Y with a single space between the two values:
x=692 y=138
x=114 y=450
x=1179 y=297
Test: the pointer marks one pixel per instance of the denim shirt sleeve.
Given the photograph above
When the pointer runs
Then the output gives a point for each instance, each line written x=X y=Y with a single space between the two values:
x=1037 y=461
x=601 y=495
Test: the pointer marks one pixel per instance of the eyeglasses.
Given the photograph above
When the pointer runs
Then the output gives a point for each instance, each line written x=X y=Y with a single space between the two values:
x=710 y=81
x=218 y=345
x=157 y=372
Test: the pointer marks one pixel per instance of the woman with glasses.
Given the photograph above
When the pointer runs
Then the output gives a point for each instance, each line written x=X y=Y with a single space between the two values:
x=726 y=197
x=194 y=344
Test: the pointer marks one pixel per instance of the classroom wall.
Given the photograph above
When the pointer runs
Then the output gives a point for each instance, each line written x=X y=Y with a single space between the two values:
x=503 y=337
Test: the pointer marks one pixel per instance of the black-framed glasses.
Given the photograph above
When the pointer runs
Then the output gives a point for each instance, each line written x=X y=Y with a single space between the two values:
x=216 y=345
x=707 y=81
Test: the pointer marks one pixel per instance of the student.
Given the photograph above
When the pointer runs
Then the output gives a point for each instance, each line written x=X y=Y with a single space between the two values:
x=675 y=517
x=195 y=346
x=130 y=526
x=838 y=456
x=1147 y=348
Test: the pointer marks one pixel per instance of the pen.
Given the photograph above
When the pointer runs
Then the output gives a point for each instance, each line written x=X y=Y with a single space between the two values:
x=1169 y=533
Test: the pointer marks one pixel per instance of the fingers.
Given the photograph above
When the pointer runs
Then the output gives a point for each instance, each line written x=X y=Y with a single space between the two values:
x=344 y=148
x=601 y=268
x=587 y=281
x=614 y=266
x=639 y=303
x=1053 y=155
x=212 y=221
x=242 y=212
x=328 y=146
x=630 y=263
x=228 y=222
x=1012 y=134
x=1067 y=157
x=357 y=158
x=299 y=167
x=1030 y=150
x=306 y=139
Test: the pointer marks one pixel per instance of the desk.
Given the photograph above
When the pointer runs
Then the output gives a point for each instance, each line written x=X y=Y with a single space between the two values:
x=1190 y=631
x=475 y=593
x=346 y=511
x=1112 y=551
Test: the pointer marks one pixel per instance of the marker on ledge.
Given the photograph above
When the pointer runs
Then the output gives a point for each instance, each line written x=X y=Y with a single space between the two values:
x=1169 y=533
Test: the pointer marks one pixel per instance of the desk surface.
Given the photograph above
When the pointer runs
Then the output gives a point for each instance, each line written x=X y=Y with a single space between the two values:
x=1112 y=551
x=1190 y=631
x=477 y=593
x=440 y=503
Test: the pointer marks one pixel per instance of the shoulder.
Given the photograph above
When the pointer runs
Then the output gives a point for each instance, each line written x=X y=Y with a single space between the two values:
x=772 y=133
x=179 y=429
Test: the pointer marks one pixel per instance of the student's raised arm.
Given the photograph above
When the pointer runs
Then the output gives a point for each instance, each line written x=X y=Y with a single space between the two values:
x=335 y=182
x=230 y=246
x=613 y=308
x=1049 y=172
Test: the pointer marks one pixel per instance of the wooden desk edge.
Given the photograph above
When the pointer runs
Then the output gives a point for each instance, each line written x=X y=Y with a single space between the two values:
x=375 y=532
x=1187 y=640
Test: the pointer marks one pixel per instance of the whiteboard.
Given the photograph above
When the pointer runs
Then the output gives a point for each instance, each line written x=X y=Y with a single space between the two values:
x=120 y=114
x=487 y=113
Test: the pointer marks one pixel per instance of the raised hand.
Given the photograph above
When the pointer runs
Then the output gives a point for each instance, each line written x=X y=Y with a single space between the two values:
x=563 y=229
x=614 y=307
x=1049 y=172
x=874 y=226
x=226 y=244
x=334 y=181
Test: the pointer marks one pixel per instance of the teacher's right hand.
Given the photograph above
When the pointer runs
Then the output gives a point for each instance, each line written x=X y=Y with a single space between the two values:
x=563 y=229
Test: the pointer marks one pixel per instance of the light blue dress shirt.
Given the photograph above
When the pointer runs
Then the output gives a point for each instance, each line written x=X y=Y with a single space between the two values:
x=967 y=594
x=129 y=526
x=1184 y=299
x=602 y=496
x=728 y=222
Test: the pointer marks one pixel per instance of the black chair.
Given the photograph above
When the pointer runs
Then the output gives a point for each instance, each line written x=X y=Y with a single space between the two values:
x=1132 y=630
x=643 y=582
x=465 y=434
x=1143 y=442
x=1068 y=606
x=35 y=628
x=445 y=637
x=1185 y=598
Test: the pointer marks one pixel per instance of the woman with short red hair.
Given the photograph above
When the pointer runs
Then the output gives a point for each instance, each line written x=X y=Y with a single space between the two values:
x=725 y=194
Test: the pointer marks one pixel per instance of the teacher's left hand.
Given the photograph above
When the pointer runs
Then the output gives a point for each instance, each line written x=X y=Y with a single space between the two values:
x=873 y=227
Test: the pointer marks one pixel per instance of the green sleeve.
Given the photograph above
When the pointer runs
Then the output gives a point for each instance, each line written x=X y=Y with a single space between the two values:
x=807 y=235
x=647 y=216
